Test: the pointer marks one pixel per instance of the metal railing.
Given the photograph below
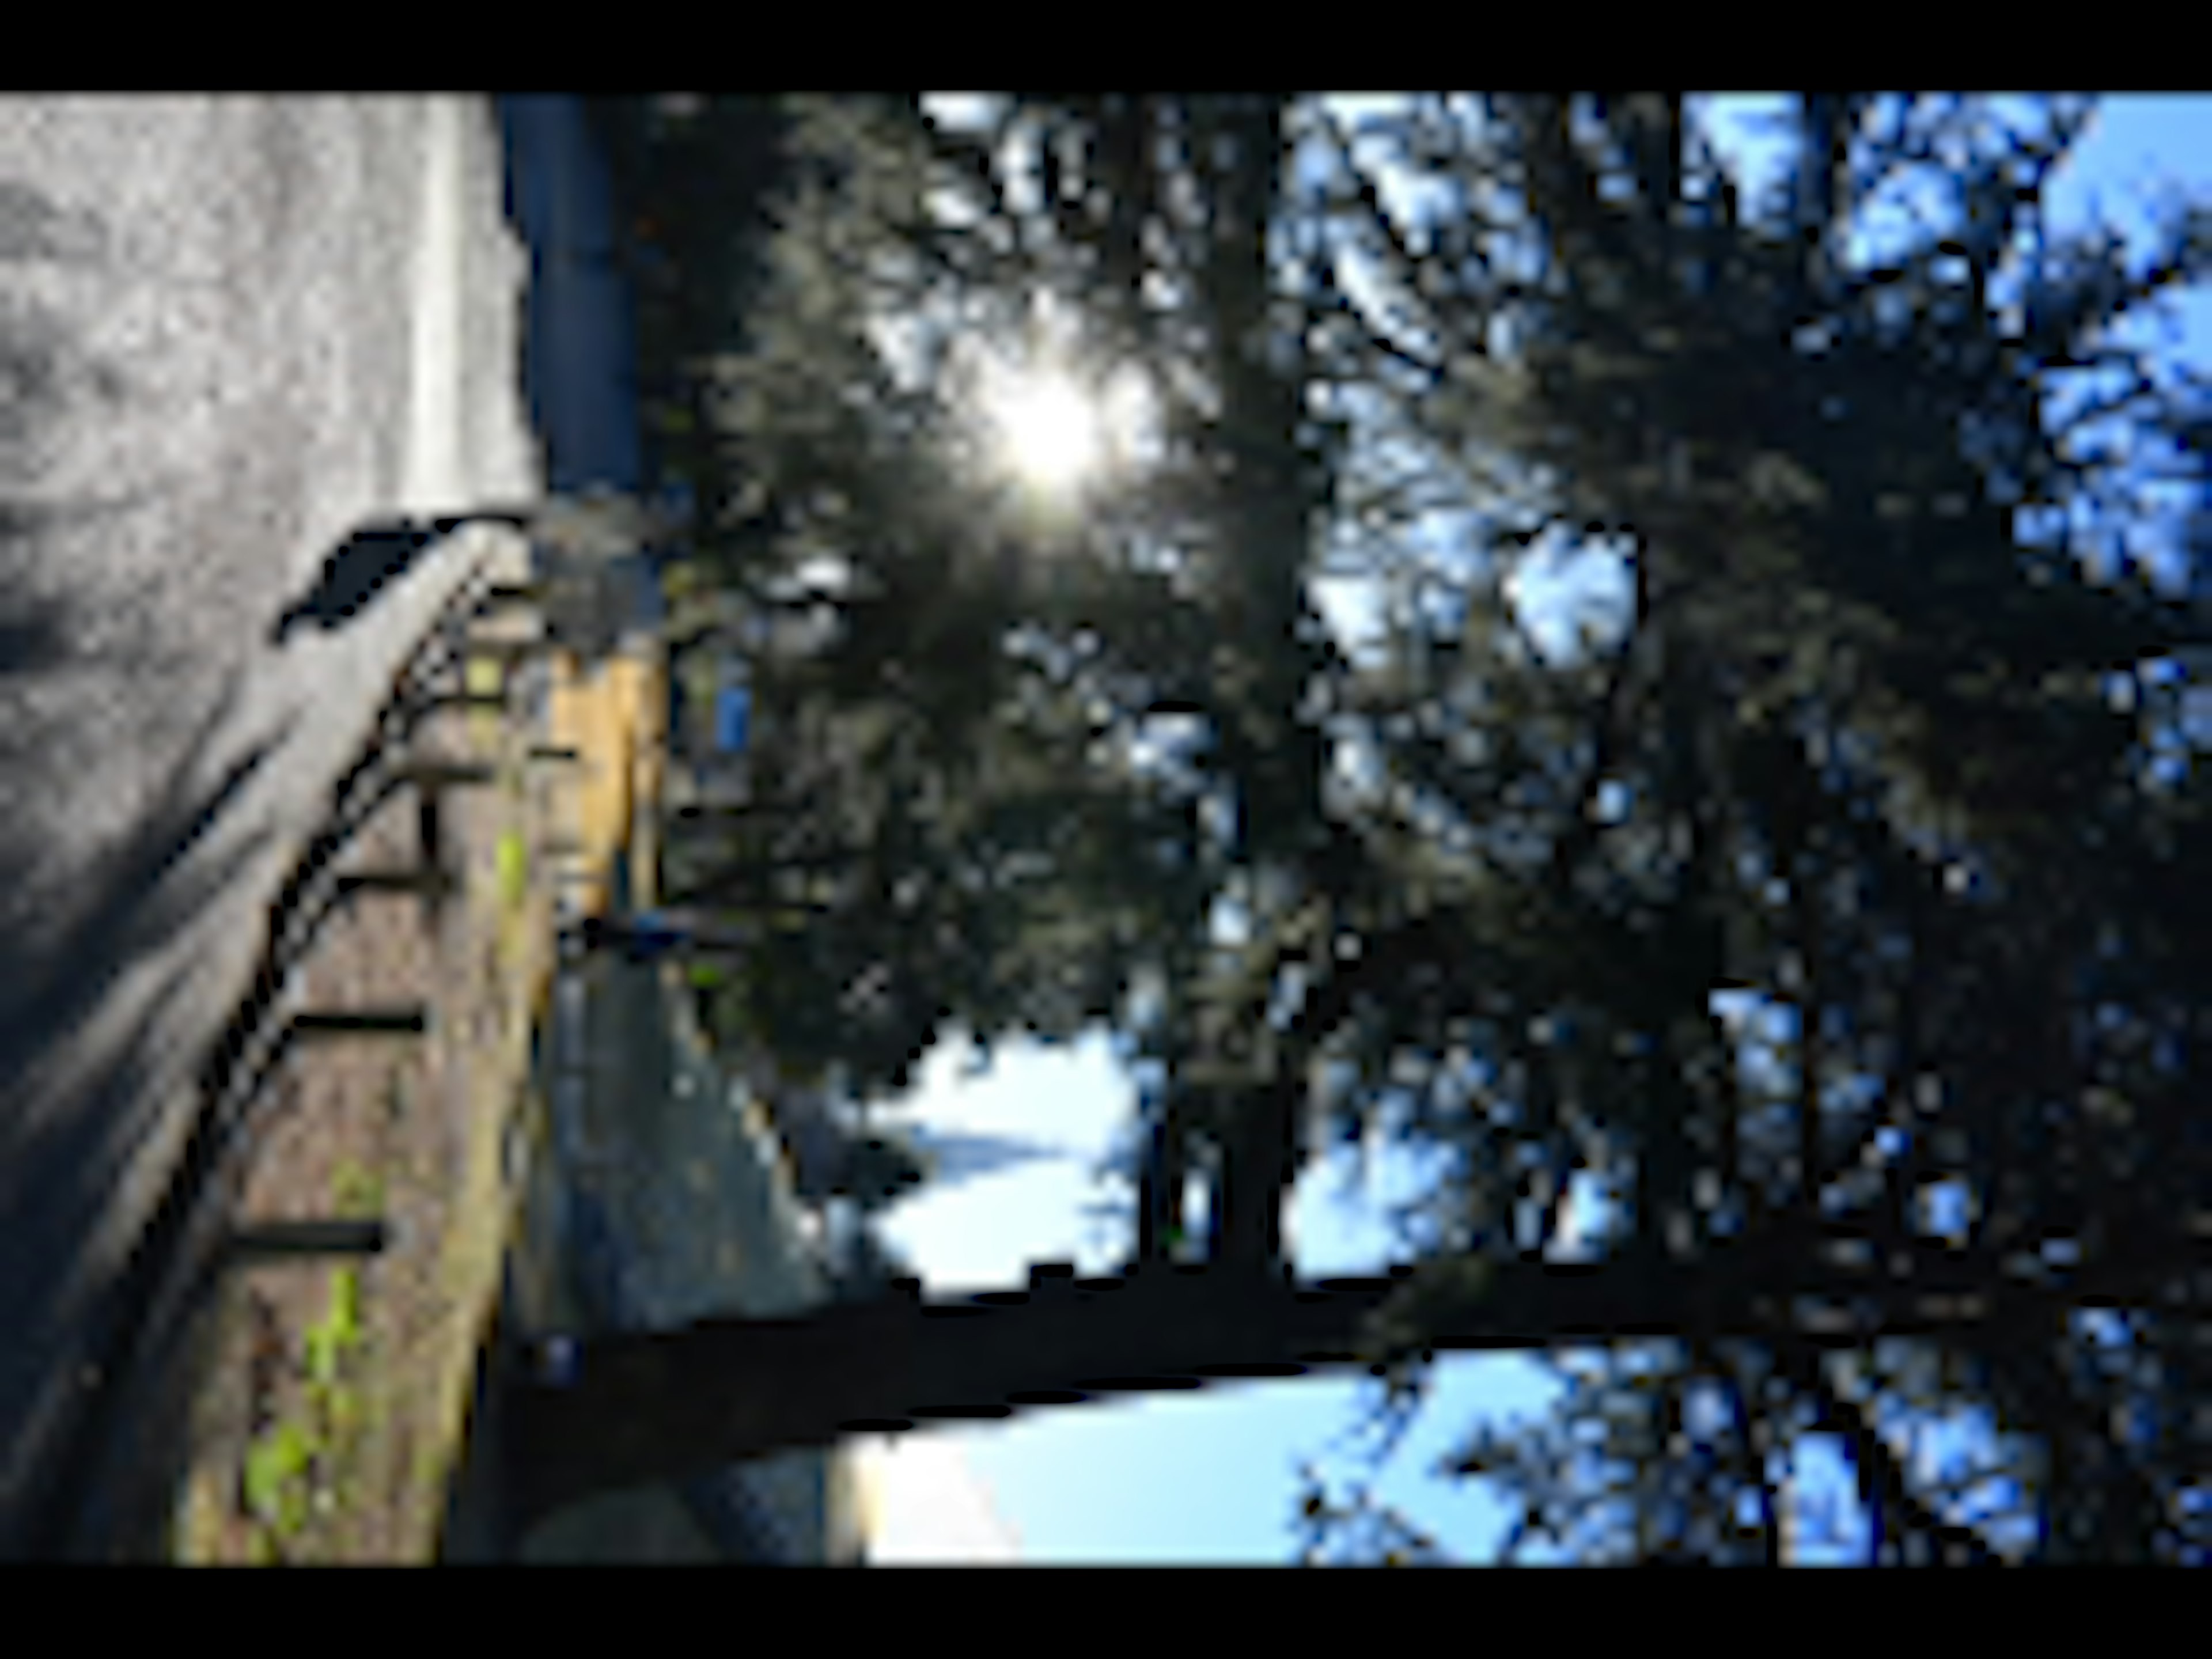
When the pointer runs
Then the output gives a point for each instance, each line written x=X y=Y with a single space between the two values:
x=86 y=1505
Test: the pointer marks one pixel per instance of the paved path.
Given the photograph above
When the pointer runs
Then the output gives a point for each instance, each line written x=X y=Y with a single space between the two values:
x=676 y=1205
x=231 y=329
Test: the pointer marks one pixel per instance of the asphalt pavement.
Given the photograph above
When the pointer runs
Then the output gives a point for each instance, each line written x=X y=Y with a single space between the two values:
x=675 y=1205
x=232 y=329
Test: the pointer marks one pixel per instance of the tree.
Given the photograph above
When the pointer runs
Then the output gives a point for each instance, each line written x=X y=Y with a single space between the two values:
x=1786 y=671
x=920 y=732
x=644 y=1406
x=1848 y=744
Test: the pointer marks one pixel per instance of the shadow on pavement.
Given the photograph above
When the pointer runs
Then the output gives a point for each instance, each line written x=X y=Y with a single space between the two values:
x=367 y=564
x=40 y=636
x=78 y=1123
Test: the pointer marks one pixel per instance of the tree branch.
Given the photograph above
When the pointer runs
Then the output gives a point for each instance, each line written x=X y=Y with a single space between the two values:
x=1883 y=1490
x=653 y=1406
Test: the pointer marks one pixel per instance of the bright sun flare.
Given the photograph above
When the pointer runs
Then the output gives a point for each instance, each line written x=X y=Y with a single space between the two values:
x=1053 y=430
x=1050 y=431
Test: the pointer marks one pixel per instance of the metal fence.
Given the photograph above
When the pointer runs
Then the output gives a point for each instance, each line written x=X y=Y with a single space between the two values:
x=87 y=1503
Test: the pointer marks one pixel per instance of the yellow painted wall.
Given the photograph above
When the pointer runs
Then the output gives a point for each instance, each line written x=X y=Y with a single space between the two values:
x=613 y=716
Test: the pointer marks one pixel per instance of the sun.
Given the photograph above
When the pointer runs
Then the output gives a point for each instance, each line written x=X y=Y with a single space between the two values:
x=1055 y=429
x=1050 y=433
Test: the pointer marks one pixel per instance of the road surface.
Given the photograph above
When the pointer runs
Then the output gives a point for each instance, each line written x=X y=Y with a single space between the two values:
x=678 y=1207
x=231 y=329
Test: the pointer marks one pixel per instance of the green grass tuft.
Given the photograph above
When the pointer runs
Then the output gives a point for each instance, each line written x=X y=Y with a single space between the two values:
x=514 y=866
x=276 y=1478
x=357 y=1191
x=338 y=1330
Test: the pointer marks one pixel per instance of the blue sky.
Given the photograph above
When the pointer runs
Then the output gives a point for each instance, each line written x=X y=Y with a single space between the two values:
x=1212 y=1478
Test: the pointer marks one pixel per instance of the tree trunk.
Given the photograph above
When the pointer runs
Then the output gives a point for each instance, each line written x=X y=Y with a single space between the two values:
x=1163 y=1179
x=658 y=1405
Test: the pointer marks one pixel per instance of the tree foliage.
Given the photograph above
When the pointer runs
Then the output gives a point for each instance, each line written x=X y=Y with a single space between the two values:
x=1861 y=737
x=1865 y=738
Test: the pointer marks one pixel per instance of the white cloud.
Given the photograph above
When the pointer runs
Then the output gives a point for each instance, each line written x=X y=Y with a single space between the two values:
x=985 y=1234
x=930 y=1508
